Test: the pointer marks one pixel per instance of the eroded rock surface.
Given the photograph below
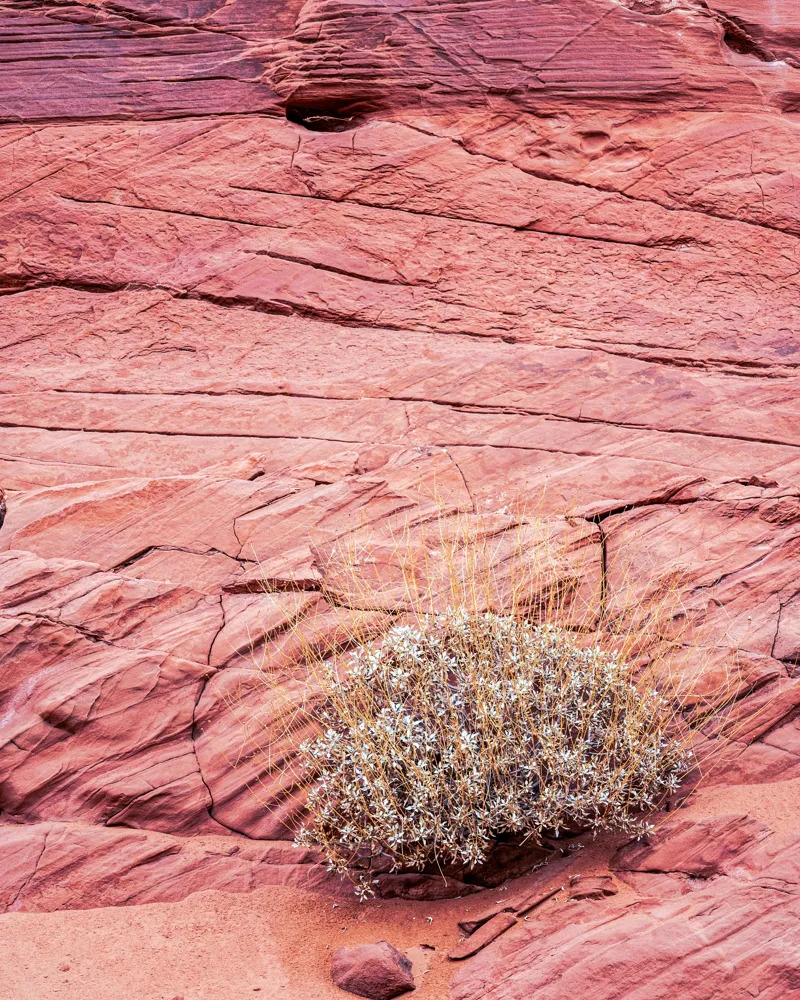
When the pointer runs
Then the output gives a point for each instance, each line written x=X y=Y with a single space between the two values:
x=275 y=273
x=724 y=940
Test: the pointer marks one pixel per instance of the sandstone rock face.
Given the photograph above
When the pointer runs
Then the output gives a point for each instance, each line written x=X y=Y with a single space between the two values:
x=58 y=866
x=701 y=848
x=274 y=274
x=720 y=941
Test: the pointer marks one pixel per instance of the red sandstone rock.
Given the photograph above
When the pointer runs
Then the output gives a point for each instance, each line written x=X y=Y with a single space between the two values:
x=198 y=72
x=552 y=256
x=57 y=866
x=554 y=54
x=593 y=887
x=702 y=847
x=521 y=904
x=486 y=933
x=620 y=950
x=470 y=925
x=787 y=638
x=377 y=971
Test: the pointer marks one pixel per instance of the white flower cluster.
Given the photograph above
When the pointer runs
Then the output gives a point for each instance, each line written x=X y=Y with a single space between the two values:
x=468 y=726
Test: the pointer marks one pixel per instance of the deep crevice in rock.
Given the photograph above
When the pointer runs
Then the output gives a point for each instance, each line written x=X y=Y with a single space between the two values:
x=737 y=39
x=322 y=119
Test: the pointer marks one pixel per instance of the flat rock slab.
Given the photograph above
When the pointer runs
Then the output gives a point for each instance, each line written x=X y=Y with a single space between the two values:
x=593 y=887
x=485 y=934
x=663 y=943
x=702 y=847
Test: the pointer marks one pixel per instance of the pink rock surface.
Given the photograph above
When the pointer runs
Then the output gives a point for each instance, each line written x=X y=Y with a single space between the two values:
x=484 y=935
x=694 y=847
x=274 y=274
x=652 y=945
x=69 y=866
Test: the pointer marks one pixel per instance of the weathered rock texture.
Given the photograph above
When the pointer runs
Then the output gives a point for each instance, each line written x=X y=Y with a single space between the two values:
x=378 y=971
x=273 y=271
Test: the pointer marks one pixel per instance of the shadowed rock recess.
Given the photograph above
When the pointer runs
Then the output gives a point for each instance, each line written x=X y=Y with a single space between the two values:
x=272 y=271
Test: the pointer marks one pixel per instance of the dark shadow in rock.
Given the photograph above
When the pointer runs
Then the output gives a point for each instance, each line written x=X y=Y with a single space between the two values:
x=509 y=858
x=322 y=119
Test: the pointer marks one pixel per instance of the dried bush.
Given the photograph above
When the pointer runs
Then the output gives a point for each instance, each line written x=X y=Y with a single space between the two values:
x=504 y=696
x=470 y=725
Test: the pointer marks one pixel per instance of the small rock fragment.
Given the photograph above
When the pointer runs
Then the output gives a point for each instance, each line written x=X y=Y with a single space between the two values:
x=484 y=935
x=524 y=906
x=593 y=887
x=521 y=903
x=470 y=925
x=377 y=971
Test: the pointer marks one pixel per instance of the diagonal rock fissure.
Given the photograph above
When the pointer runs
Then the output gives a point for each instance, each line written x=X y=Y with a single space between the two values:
x=185 y=213
x=655 y=243
x=143 y=553
x=672 y=243
x=573 y=338
x=38 y=616
x=735 y=367
x=12 y=905
x=194 y=732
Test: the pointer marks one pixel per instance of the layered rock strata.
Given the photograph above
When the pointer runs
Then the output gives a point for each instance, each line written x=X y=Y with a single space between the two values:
x=272 y=273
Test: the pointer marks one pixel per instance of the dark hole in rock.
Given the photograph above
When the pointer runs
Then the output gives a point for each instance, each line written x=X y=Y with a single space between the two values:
x=322 y=119
x=739 y=41
x=509 y=858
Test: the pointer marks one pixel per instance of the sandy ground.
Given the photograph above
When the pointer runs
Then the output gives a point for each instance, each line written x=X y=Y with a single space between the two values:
x=271 y=944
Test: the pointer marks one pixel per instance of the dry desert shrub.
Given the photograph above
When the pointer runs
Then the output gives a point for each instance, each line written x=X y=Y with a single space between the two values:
x=467 y=725
x=503 y=698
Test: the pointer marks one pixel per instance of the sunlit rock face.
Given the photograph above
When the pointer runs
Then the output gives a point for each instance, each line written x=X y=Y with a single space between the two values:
x=272 y=272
